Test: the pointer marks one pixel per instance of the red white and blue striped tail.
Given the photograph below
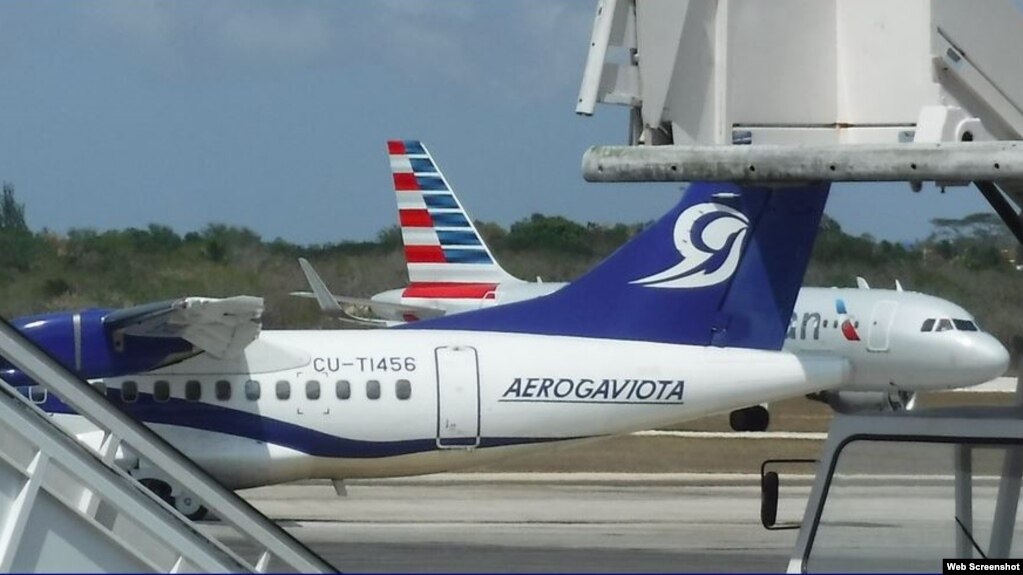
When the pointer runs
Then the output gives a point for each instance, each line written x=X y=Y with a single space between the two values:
x=443 y=250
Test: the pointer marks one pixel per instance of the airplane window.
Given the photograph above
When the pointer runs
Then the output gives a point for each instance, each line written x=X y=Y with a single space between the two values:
x=344 y=389
x=856 y=324
x=283 y=390
x=193 y=390
x=928 y=325
x=129 y=391
x=252 y=390
x=403 y=389
x=825 y=323
x=964 y=325
x=312 y=389
x=944 y=324
x=373 y=389
x=223 y=390
x=37 y=394
x=161 y=391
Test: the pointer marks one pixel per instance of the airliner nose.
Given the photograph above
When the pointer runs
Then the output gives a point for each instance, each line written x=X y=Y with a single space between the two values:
x=984 y=357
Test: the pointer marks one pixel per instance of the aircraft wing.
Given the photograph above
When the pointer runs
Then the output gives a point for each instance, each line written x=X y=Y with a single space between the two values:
x=220 y=327
x=330 y=303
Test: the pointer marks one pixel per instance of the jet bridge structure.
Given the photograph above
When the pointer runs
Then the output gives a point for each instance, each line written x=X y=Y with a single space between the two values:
x=800 y=90
x=842 y=90
x=67 y=508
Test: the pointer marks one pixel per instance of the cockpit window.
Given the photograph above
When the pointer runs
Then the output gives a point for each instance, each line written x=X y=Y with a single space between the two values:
x=928 y=325
x=944 y=324
x=964 y=325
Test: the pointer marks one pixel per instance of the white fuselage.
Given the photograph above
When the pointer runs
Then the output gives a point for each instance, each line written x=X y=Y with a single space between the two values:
x=356 y=403
x=400 y=402
x=891 y=354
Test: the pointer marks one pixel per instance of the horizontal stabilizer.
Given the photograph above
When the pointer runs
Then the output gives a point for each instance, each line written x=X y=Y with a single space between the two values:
x=330 y=303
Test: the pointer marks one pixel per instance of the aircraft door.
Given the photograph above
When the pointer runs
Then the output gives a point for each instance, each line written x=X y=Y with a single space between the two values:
x=881 y=325
x=458 y=397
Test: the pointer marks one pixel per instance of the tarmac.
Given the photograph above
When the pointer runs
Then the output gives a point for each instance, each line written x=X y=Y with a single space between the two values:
x=515 y=524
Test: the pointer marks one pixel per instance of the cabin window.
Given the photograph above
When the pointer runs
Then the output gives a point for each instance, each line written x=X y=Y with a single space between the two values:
x=928 y=325
x=161 y=390
x=312 y=389
x=193 y=390
x=129 y=391
x=373 y=389
x=403 y=389
x=825 y=323
x=222 y=390
x=283 y=390
x=37 y=394
x=944 y=324
x=964 y=325
x=252 y=390
x=344 y=389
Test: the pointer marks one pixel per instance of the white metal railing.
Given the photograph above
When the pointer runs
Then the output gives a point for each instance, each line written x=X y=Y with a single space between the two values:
x=276 y=548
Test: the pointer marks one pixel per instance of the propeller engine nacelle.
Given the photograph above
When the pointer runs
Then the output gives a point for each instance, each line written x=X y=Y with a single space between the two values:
x=82 y=343
x=866 y=401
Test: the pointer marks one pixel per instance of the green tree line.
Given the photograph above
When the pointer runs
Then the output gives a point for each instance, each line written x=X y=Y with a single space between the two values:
x=970 y=261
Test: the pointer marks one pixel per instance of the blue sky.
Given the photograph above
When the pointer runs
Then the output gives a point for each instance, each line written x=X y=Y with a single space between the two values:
x=273 y=116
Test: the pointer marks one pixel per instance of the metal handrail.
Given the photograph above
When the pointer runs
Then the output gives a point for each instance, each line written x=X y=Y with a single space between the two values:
x=37 y=364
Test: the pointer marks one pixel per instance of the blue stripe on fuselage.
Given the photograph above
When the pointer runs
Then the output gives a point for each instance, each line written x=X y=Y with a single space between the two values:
x=220 y=419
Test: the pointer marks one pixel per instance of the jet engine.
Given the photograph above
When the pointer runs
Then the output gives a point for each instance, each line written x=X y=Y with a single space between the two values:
x=866 y=401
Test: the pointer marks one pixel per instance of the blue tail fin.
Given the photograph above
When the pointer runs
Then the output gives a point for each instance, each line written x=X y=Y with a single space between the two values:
x=722 y=268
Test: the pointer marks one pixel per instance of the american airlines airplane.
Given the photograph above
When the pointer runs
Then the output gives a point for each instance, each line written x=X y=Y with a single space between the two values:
x=686 y=320
x=906 y=341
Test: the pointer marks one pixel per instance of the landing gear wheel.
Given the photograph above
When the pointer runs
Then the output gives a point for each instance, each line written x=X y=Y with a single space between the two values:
x=190 y=506
x=755 y=418
x=159 y=488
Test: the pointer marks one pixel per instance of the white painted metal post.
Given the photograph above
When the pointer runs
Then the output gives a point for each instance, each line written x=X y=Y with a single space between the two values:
x=1004 y=523
x=964 y=500
x=21 y=507
x=595 y=60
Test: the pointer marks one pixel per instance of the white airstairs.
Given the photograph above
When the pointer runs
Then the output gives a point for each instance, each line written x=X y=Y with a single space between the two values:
x=67 y=508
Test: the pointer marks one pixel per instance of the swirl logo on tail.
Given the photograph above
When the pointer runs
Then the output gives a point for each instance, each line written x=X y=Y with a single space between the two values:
x=709 y=237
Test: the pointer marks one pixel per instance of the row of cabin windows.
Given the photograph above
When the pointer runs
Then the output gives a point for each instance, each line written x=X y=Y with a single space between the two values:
x=253 y=391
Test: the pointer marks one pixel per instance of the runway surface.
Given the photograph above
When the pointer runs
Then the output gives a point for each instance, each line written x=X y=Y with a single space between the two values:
x=529 y=526
x=515 y=523
x=676 y=500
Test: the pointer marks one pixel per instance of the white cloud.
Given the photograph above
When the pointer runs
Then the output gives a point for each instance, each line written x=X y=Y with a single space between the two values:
x=441 y=10
x=286 y=36
x=524 y=50
x=194 y=33
x=146 y=22
x=426 y=38
x=554 y=37
x=528 y=49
